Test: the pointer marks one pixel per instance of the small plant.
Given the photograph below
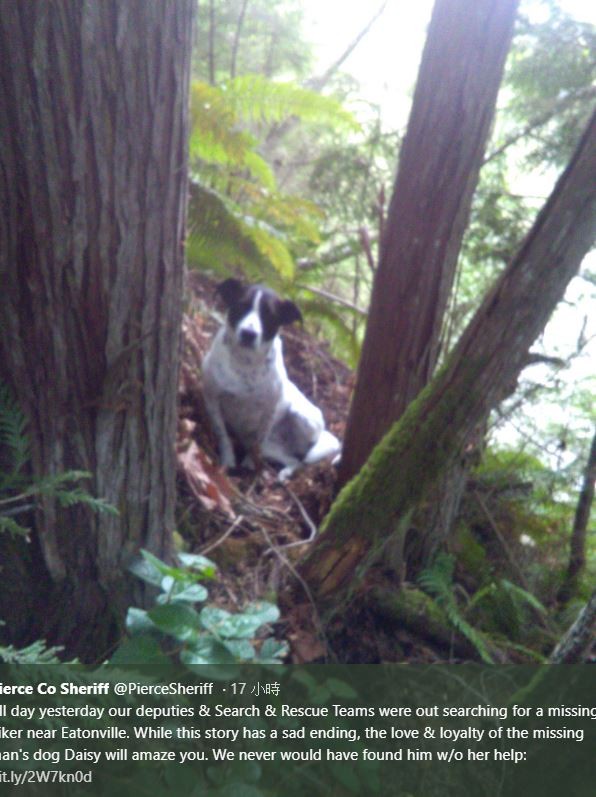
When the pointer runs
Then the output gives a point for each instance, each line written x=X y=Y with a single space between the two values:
x=210 y=635
x=18 y=489
x=36 y=653
x=437 y=581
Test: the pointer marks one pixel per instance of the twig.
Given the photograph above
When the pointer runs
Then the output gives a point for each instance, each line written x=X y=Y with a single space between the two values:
x=224 y=536
x=285 y=561
x=305 y=516
x=318 y=83
x=366 y=247
x=333 y=298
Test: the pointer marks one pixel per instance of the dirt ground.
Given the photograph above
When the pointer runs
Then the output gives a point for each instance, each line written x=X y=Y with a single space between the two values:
x=253 y=527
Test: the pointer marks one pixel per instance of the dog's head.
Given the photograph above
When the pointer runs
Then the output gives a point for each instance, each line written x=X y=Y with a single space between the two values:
x=255 y=313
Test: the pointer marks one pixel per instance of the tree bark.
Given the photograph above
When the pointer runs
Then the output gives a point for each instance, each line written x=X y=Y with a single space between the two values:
x=488 y=358
x=93 y=184
x=573 y=646
x=577 y=554
x=440 y=160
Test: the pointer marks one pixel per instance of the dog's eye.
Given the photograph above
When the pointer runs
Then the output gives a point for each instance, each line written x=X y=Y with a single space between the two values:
x=270 y=320
x=238 y=311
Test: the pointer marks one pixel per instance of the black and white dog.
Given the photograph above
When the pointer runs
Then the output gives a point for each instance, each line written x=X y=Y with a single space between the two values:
x=247 y=389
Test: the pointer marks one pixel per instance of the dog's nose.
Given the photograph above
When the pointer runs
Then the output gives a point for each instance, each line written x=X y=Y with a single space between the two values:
x=247 y=337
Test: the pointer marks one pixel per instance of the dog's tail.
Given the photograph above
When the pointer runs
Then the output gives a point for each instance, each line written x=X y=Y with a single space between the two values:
x=326 y=447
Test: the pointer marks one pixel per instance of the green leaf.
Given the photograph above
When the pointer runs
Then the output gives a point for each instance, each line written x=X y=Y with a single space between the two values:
x=176 y=619
x=138 y=621
x=200 y=563
x=240 y=626
x=272 y=651
x=139 y=649
x=241 y=649
x=147 y=571
x=206 y=650
x=188 y=592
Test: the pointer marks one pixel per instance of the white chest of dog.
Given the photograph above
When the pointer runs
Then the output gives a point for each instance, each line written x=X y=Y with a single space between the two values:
x=247 y=389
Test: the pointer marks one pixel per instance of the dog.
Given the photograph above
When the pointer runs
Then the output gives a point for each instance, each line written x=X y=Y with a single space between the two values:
x=247 y=390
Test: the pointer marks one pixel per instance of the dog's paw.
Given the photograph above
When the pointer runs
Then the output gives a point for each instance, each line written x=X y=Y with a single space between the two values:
x=228 y=459
x=248 y=463
x=286 y=473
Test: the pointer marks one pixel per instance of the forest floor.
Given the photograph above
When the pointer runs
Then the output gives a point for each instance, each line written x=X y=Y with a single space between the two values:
x=257 y=530
x=254 y=528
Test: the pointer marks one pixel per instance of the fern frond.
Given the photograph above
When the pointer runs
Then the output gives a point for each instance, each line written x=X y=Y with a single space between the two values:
x=255 y=98
x=437 y=580
x=13 y=429
x=220 y=237
x=10 y=525
x=79 y=496
x=336 y=326
x=58 y=487
x=216 y=138
x=271 y=245
x=521 y=595
x=36 y=653
x=48 y=485
x=296 y=214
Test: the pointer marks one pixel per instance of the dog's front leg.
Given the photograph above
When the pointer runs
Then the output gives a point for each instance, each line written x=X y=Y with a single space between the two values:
x=227 y=457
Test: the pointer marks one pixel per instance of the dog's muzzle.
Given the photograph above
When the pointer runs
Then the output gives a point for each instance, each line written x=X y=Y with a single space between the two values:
x=248 y=338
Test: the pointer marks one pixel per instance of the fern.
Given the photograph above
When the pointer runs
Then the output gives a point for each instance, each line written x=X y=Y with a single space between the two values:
x=254 y=98
x=10 y=525
x=215 y=137
x=36 y=653
x=237 y=217
x=12 y=429
x=218 y=236
x=17 y=488
x=437 y=581
x=502 y=606
x=337 y=328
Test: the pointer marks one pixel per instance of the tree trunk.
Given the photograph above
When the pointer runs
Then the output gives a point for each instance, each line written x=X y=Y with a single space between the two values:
x=488 y=358
x=577 y=554
x=440 y=160
x=93 y=139
x=578 y=639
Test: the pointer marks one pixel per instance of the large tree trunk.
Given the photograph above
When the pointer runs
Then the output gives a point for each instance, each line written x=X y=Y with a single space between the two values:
x=488 y=358
x=440 y=159
x=93 y=184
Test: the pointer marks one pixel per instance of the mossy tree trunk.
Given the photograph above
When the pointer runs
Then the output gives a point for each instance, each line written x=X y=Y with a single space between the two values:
x=439 y=163
x=377 y=503
x=93 y=184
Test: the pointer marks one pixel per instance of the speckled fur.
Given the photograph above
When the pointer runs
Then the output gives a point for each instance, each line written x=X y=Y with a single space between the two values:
x=247 y=389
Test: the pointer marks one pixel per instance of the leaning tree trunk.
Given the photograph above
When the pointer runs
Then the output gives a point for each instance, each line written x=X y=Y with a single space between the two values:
x=488 y=358
x=439 y=163
x=579 y=638
x=93 y=183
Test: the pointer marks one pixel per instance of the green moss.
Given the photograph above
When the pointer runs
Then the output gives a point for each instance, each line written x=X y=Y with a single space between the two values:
x=471 y=555
x=402 y=467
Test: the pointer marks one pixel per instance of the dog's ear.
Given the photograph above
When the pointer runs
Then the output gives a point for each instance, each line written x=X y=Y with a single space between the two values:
x=230 y=291
x=288 y=312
